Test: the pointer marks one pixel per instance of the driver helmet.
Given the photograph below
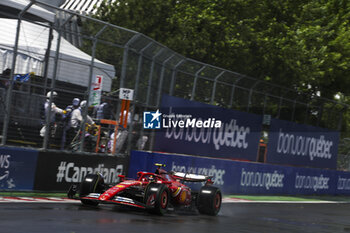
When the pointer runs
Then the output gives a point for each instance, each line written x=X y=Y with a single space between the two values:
x=83 y=104
x=53 y=93
x=76 y=102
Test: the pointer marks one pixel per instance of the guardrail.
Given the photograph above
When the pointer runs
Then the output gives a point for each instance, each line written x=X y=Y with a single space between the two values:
x=235 y=177
x=27 y=170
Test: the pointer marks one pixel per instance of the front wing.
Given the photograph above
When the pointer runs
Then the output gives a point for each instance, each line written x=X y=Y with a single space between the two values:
x=117 y=200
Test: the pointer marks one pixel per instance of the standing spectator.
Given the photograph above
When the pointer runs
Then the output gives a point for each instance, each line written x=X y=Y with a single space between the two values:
x=4 y=83
x=5 y=78
x=104 y=110
x=68 y=132
x=51 y=115
x=77 y=116
x=77 y=119
x=54 y=110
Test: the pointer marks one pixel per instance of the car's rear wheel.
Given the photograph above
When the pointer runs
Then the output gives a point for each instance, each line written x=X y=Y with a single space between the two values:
x=157 y=198
x=209 y=200
x=92 y=183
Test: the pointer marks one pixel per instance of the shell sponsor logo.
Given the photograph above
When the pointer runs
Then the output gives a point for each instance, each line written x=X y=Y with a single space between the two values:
x=120 y=186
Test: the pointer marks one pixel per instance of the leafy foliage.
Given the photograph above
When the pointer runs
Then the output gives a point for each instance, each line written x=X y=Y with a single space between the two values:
x=300 y=44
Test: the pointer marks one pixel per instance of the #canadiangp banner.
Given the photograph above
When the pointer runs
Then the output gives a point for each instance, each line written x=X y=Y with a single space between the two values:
x=303 y=145
x=190 y=127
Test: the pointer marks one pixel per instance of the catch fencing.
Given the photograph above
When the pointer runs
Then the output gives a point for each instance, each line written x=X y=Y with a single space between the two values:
x=125 y=59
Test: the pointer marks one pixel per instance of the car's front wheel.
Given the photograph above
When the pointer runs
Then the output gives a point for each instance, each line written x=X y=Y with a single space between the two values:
x=92 y=183
x=157 y=198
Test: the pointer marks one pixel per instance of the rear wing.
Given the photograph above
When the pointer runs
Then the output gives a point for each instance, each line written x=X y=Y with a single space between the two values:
x=192 y=177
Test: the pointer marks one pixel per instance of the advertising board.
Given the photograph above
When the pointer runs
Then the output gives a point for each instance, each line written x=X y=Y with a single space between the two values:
x=57 y=171
x=17 y=168
x=190 y=127
x=303 y=145
x=96 y=91
x=234 y=177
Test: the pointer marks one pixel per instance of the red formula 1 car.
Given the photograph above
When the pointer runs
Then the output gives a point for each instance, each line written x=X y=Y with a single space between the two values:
x=154 y=192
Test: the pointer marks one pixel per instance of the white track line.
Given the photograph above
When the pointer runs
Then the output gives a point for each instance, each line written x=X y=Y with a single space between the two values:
x=233 y=200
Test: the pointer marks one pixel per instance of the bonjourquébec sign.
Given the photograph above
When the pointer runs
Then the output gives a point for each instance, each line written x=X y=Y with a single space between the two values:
x=190 y=127
x=296 y=144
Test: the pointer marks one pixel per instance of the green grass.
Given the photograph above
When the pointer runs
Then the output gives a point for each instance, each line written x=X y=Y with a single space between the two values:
x=31 y=194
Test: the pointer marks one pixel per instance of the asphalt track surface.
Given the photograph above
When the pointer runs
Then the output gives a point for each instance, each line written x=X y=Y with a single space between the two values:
x=234 y=217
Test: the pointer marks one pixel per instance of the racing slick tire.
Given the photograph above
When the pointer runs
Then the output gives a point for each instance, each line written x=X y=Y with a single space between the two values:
x=209 y=200
x=156 y=198
x=92 y=183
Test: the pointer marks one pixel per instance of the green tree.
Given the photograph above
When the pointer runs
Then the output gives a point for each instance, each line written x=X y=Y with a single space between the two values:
x=299 y=44
x=303 y=44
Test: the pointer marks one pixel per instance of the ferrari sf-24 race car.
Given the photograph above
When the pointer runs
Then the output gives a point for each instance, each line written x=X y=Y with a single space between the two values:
x=154 y=192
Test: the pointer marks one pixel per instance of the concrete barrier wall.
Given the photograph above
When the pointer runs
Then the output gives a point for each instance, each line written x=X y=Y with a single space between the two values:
x=57 y=171
x=248 y=178
x=22 y=169
x=17 y=168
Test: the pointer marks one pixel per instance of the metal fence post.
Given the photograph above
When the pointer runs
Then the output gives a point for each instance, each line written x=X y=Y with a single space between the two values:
x=173 y=76
x=250 y=95
x=280 y=104
x=161 y=79
x=47 y=57
x=124 y=67
x=125 y=59
x=195 y=81
x=214 y=87
x=340 y=121
x=139 y=67
x=85 y=111
x=149 y=89
x=151 y=76
x=9 y=90
x=53 y=83
x=138 y=74
x=233 y=91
